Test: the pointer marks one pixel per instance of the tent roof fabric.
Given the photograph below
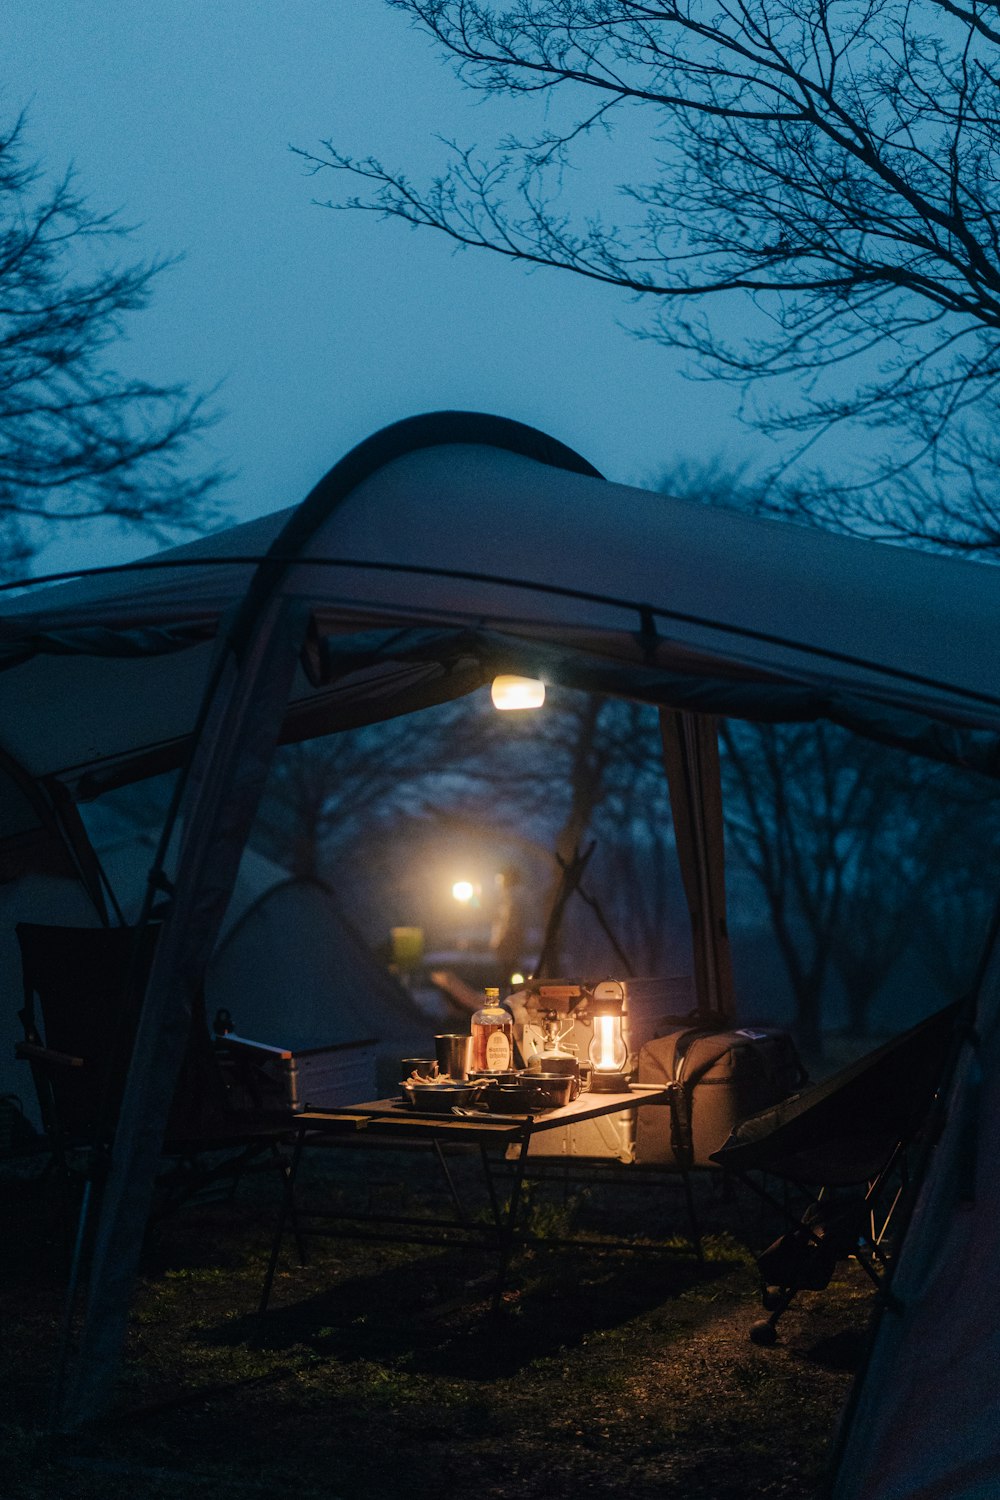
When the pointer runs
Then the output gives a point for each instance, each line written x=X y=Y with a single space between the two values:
x=457 y=558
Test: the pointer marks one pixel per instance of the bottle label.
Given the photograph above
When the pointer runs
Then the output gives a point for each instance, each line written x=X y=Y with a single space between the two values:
x=498 y=1052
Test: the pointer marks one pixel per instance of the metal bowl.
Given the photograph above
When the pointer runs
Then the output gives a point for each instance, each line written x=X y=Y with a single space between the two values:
x=438 y=1098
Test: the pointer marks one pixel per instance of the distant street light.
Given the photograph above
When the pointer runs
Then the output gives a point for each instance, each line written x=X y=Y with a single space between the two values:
x=517 y=692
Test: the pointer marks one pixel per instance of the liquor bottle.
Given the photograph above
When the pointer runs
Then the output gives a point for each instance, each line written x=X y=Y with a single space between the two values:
x=492 y=1037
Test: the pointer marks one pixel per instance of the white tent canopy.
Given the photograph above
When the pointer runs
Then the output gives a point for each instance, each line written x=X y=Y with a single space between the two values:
x=442 y=551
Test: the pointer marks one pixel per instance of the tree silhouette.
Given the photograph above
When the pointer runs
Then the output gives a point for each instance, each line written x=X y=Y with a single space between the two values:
x=77 y=440
x=863 y=856
x=834 y=163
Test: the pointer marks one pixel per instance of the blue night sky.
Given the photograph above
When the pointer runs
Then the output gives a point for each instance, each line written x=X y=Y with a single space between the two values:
x=322 y=326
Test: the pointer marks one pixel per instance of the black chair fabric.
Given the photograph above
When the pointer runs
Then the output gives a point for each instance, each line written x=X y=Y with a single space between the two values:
x=843 y=1143
x=83 y=996
x=83 y=989
x=842 y=1131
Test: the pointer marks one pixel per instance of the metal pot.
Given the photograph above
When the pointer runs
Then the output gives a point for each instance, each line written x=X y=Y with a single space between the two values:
x=549 y=1090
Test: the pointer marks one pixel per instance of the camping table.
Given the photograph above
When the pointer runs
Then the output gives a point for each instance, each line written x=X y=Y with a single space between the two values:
x=390 y=1121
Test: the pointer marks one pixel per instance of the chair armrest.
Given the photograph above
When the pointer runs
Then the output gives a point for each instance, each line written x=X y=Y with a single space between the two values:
x=32 y=1052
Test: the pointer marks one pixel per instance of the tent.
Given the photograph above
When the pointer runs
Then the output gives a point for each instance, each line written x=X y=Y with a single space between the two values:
x=438 y=553
x=292 y=968
x=288 y=966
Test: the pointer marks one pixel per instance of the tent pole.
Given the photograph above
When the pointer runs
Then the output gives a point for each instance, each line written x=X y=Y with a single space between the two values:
x=691 y=760
x=227 y=773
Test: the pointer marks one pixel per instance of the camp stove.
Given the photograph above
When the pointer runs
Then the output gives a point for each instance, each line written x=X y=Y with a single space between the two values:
x=550 y=1024
x=555 y=1014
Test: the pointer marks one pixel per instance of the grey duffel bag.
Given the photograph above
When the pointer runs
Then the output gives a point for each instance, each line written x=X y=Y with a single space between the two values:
x=718 y=1078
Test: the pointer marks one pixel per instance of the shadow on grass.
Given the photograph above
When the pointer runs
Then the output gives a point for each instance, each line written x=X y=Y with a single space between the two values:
x=842 y=1351
x=431 y=1314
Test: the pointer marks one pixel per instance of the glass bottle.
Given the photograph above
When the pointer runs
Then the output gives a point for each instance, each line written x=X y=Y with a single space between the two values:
x=492 y=1037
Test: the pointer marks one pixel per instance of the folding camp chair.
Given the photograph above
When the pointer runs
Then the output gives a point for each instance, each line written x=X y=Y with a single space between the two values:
x=83 y=991
x=844 y=1144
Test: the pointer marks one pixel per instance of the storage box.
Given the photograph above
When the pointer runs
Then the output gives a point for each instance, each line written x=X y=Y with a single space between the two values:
x=330 y=1076
x=276 y=1078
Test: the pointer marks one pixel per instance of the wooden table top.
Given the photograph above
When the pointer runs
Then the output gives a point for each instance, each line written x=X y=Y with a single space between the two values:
x=393 y=1115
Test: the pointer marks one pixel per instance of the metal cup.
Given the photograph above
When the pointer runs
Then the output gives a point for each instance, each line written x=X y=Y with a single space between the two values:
x=424 y=1067
x=454 y=1054
x=559 y=1062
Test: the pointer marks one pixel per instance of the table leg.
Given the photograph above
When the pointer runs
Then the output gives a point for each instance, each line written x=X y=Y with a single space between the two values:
x=452 y=1189
x=293 y=1214
x=286 y=1212
x=284 y=1169
x=507 y=1227
x=491 y=1189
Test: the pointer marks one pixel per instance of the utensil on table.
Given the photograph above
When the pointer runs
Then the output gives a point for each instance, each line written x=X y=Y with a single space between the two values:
x=554 y=1062
x=509 y=1096
x=424 y=1067
x=549 y=1090
x=482 y=1114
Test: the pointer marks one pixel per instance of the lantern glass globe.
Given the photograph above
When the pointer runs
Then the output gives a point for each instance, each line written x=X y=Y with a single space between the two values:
x=517 y=692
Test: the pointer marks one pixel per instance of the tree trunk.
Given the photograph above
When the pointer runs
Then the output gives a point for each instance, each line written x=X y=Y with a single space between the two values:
x=586 y=790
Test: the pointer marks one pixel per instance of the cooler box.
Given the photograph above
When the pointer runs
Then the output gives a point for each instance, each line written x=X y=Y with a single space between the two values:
x=719 y=1078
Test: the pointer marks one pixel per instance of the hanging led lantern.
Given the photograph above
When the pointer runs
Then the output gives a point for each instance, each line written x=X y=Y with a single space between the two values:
x=608 y=1053
x=517 y=692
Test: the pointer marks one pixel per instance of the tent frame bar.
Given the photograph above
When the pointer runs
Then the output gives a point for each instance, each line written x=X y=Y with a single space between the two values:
x=646 y=612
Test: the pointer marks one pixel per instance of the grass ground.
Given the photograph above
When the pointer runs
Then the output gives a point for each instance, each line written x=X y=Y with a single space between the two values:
x=377 y=1371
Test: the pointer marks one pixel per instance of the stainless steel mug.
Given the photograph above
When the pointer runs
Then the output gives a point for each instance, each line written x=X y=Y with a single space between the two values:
x=424 y=1067
x=454 y=1054
x=558 y=1062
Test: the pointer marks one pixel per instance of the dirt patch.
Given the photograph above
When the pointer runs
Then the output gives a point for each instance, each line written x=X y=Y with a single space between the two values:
x=378 y=1369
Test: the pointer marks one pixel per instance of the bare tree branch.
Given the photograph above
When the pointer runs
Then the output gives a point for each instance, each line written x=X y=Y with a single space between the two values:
x=836 y=163
x=78 y=440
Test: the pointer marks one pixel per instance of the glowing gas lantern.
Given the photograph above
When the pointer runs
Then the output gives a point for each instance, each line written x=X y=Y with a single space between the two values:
x=607 y=1052
x=517 y=692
